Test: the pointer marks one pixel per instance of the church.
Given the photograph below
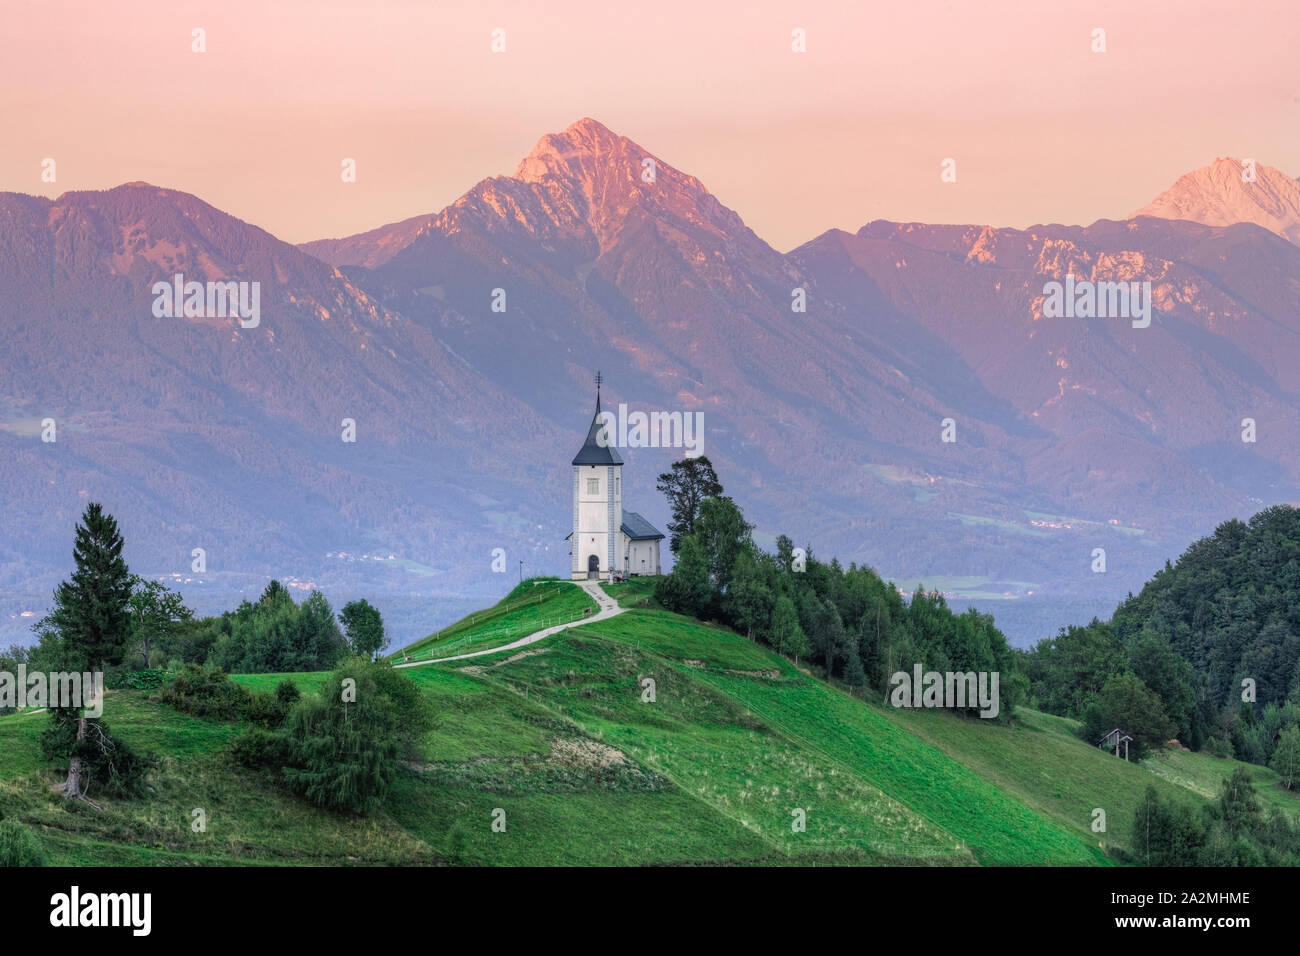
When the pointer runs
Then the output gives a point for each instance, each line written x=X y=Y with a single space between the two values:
x=607 y=542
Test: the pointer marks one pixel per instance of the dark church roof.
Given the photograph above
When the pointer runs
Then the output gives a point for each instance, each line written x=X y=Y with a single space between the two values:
x=593 y=452
x=638 y=529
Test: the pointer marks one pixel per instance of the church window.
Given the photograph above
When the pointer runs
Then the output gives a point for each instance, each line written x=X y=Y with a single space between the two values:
x=593 y=486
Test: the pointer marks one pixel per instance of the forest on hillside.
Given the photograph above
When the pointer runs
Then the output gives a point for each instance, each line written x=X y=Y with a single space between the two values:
x=1213 y=640
x=1208 y=653
x=851 y=624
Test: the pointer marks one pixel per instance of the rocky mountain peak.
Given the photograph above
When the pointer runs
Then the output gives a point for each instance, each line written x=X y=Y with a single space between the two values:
x=1232 y=190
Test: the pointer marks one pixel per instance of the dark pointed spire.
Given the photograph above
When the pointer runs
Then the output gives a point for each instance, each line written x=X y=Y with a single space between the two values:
x=593 y=451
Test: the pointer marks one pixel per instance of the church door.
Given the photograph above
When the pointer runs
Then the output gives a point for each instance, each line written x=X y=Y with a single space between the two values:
x=593 y=568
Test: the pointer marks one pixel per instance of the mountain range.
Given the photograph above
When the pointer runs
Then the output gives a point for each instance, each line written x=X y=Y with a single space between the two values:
x=827 y=424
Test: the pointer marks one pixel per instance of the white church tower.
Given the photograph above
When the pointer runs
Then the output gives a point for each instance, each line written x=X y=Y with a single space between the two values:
x=597 y=502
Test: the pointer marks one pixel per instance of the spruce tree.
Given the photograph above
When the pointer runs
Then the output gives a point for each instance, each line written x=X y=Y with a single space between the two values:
x=92 y=620
x=92 y=610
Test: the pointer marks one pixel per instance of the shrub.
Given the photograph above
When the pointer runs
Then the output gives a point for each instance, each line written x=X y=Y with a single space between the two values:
x=262 y=709
x=339 y=760
x=344 y=745
x=287 y=694
x=19 y=846
x=150 y=679
x=263 y=749
x=206 y=692
x=1219 y=747
x=272 y=710
x=209 y=692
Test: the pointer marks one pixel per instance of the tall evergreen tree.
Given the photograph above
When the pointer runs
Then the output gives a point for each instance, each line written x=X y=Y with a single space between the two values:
x=91 y=610
x=855 y=675
x=92 y=620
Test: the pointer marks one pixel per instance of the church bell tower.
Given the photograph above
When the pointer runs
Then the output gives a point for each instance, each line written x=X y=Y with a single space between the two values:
x=597 y=499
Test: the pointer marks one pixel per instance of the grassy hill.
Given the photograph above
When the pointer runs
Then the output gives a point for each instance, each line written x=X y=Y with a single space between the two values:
x=535 y=604
x=563 y=738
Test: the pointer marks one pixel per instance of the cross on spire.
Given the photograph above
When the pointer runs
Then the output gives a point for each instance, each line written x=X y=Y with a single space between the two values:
x=599 y=379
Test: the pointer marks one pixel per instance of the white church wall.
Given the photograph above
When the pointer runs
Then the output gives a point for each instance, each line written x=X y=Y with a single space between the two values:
x=642 y=557
x=575 y=556
x=598 y=508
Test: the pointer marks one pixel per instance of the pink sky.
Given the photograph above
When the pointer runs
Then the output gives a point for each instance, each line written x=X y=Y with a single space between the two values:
x=1043 y=130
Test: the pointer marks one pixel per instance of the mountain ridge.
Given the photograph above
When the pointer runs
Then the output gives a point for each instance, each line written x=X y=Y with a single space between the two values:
x=1071 y=433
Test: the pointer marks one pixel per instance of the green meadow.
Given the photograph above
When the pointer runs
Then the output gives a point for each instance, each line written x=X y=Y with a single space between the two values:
x=648 y=738
x=534 y=605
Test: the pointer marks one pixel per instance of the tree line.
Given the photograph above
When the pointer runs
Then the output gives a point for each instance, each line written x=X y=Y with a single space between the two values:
x=848 y=622
x=1232 y=831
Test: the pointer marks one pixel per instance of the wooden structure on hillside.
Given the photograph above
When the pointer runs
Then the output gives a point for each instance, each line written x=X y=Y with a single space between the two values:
x=1115 y=740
